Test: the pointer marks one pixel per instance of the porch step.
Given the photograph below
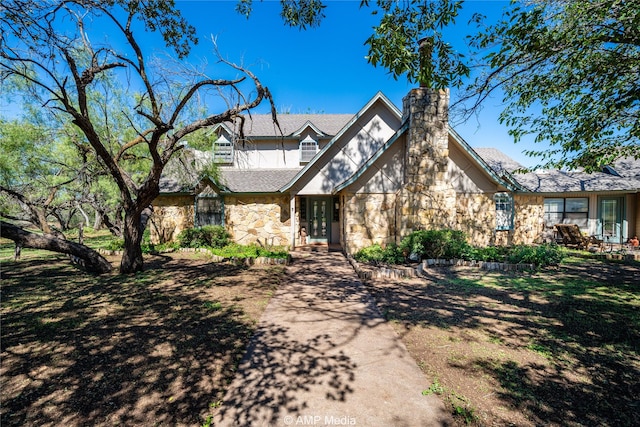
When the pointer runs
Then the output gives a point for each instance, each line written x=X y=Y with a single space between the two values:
x=319 y=247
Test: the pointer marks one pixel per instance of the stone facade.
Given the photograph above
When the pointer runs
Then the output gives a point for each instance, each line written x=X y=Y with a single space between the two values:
x=171 y=215
x=528 y=224
x=476 y=216
x=428 y=200
x=253 y=219
x=369 y=219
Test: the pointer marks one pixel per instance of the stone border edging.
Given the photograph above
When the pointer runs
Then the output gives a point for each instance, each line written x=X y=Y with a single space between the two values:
x=367 y=272
x=215 y=258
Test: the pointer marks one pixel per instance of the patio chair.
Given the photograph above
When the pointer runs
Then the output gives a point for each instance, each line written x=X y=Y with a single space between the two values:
x=572 y=237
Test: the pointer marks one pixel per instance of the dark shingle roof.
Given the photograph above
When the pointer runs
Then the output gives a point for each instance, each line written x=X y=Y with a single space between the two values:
x=181 y=176
x=557 y=181
x=257 y=180
x=262 y=125
x=498 y=161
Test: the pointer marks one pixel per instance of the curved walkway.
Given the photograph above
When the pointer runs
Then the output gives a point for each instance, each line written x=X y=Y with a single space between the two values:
x=323 y=355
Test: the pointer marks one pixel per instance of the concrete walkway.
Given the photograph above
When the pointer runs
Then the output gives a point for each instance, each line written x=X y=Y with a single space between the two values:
x=322 y=355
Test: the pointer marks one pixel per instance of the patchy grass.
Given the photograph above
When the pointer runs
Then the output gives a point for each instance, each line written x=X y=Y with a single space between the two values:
x=557 y=347
x=154 y=348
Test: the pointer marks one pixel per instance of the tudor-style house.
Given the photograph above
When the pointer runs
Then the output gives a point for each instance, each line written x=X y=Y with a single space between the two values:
x=376 y=176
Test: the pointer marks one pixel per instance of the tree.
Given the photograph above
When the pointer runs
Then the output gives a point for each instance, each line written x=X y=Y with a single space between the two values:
x=90 y=259
x=568 y=70
x=47 y=46
x=570 y=73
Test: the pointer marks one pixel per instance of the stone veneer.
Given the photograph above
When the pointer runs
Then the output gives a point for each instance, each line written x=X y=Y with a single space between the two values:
x=528 y=222
x=476 y=216
x=263 y=219
x=171 y=215
x=369 y=219
x=428 y=200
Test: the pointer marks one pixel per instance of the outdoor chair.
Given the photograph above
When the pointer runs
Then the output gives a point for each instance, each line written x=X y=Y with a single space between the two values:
x=572 y=237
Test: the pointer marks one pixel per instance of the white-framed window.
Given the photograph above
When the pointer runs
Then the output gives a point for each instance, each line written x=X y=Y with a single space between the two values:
x=222 y=150
x=308 y=149
x=504 y=211
x=569 y=210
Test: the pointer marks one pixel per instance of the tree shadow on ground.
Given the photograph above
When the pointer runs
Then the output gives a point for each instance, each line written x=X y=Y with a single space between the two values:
x=155 y=348
x=278 y=370
x=583 y=324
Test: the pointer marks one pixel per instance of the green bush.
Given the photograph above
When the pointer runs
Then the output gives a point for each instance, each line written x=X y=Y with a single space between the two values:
x=392 y=254
x=213 y=236
x=436 y=244
x=491 y=253
x=541 y=256
x=376 y=254
x=371 y=253
x=452 y=244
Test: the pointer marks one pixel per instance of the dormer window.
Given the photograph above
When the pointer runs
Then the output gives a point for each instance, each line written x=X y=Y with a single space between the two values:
x=308 y=149
x=222 y=150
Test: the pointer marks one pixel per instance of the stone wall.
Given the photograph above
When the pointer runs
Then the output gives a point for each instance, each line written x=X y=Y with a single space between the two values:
x=264 y=219
x=171 y=215
x=476 y=216
x=528 y=223
x=369 y=219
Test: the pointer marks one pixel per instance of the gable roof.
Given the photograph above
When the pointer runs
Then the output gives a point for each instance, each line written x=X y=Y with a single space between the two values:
x=377 y=97
x=291 y=125
x=625 y=178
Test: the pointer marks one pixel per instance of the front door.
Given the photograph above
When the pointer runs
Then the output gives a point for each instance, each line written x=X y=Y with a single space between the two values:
x=319 y=219
x=610 y=219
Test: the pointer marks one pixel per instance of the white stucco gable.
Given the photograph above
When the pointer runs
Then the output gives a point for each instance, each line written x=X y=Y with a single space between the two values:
x=349 y=150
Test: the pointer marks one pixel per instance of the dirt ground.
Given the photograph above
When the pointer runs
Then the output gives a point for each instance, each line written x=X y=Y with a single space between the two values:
x=155 y=348
x=558 y=347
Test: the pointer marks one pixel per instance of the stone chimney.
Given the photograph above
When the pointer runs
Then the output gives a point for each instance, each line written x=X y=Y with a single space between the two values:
x=428 y=197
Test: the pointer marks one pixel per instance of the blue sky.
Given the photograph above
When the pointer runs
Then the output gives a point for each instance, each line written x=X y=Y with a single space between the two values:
x=321 y=70
x=324 y=70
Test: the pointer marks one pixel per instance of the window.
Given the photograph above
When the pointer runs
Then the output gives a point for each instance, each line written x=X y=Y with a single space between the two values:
x=504 y=211
x=222 y=150
x=209 y=211
x=308 y=149
x=560 y=210
x=303 y=209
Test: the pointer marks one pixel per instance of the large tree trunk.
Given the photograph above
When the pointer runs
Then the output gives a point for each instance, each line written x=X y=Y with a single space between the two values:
x=92 y=260
x=132 y=260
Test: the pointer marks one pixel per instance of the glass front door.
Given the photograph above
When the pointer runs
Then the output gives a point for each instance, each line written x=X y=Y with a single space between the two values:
x=319 y=219
x=610 y=219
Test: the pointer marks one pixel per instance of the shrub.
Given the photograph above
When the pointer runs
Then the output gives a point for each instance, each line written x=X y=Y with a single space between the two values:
x=541 y=256
x=392 y=254
x=437 y=244
x=491 y=253
x=214 y=236
x=116 y=244
x=371 y=253
x=376 y=254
